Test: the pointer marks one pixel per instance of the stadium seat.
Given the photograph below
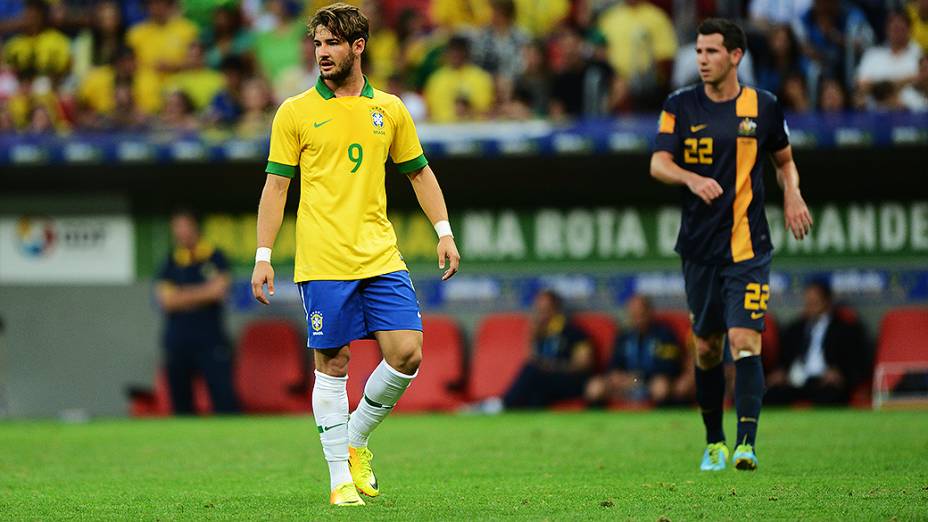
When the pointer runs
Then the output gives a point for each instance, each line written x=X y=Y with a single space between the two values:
x=903 y=344
x=500 y=348
x=365 y=356
x=442 y=359
x=271 y=374
x=157 y=402
x=602 y=328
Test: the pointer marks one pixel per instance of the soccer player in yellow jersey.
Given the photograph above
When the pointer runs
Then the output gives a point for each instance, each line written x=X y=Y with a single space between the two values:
x=336 y=137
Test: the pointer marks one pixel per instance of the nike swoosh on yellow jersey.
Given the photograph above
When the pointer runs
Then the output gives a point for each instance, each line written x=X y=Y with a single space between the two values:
x=757 y=315
x=318 y=124
x=697 y=128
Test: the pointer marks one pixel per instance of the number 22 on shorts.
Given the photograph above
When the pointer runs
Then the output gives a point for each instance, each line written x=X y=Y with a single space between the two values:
x=755 y=299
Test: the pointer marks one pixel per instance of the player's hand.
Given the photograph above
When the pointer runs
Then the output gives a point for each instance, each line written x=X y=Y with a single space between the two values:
x=706 y=189
x=796 y=214
x=262 y=274
x=447 y=250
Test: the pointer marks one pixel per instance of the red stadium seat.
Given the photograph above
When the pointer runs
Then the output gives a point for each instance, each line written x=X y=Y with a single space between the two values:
x=271 y=369
x=365 y=356
x=500 y=348
x=602 y=328
x=903 y=344
x=442 y=358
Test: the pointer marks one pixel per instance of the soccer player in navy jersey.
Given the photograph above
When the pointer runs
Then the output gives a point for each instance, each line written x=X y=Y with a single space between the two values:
x=709 y=140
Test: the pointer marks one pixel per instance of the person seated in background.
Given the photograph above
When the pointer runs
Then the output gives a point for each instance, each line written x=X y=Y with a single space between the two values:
x=559 y=365
x=887 y=71
x=823 y=356
x=646 y=365
x=192 y=284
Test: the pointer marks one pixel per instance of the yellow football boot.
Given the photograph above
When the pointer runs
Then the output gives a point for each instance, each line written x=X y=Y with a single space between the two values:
x=345 y=495
x=359 y=462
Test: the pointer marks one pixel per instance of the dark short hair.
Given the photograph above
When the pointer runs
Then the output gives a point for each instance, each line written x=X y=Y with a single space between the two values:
x=823 y=285
x=459 y=42
x=506 y=7
x=187 y=212
x=346 y=22
x=555 y=298
x=733 y=36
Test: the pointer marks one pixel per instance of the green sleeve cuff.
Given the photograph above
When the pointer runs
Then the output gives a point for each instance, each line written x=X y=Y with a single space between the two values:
x=279 y=169
x=412 y=165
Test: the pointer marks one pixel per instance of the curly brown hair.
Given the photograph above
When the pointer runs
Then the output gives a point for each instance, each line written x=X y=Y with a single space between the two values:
x=346 y=22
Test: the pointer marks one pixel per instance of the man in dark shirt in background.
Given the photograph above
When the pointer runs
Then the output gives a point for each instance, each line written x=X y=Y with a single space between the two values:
x=646 y=364
x=823 y=354
x=192 y=285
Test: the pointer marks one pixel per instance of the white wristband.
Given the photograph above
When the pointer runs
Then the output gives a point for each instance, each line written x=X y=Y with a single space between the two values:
x=263 y=254
x=443 y=228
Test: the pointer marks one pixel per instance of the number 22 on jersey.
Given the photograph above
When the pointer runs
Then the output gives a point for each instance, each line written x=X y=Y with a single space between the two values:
x=697 y=151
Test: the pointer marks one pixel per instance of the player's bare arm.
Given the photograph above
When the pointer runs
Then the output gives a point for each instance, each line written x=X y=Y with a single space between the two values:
x=666 y=170
x=795 y=212
x=432 y=201
x=270 y=216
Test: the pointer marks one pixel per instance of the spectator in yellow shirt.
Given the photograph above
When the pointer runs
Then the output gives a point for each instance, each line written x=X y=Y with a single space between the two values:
x=161 y=42
x=97 y=91
x=641 y=46
x=39 y=48
x=197 y=81
x=459 y=90
x=918 y=14
x=540 y=17
x=455 y=15
x=35 y=108
x=258 y=113
x=382 y=55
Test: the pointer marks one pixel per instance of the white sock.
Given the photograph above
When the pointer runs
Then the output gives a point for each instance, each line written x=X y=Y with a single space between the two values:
x=330 y=408
x=384 y=387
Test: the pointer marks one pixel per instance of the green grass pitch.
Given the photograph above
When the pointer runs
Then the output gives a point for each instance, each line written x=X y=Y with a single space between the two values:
x=814 y=465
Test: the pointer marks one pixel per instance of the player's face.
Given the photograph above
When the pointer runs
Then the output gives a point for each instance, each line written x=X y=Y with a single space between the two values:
x=639 y=315
x=185 y=231
x=335 y=56
x=814 y=302
x=714 y=60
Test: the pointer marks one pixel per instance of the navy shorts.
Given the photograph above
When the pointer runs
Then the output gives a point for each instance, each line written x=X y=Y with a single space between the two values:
x=727 y=296
x=338 y=312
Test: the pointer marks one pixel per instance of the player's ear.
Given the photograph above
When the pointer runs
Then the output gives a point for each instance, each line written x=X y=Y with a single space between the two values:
x=358 y=46
x=736 y=56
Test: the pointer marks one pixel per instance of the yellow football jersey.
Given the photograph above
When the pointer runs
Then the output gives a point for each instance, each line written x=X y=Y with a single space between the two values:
x=339 y=147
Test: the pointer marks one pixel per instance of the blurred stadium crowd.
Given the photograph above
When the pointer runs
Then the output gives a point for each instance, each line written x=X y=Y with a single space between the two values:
x=224 y=65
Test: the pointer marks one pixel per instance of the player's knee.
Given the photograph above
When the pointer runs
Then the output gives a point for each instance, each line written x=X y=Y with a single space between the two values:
x=744 y=342
x=333 y=363
x=708 y=351
x=406 y=358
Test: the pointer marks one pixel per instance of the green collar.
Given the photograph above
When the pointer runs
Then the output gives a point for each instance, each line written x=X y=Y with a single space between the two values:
x=367 y=91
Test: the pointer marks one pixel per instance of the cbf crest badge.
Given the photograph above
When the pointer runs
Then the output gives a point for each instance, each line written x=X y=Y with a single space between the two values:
x=747 y=127
x=377 y=119
x=315 y=320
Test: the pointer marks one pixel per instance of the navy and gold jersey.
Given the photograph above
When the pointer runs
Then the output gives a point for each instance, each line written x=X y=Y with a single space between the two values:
x=192 y=267
x=723 y=141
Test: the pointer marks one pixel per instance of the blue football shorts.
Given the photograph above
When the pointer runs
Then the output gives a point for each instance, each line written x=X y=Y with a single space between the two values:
x=338 y=312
